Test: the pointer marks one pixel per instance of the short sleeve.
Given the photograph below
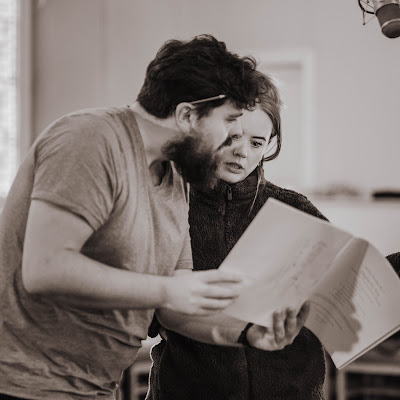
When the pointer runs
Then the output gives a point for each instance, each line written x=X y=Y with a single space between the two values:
x=75 y=167
x=185 y=260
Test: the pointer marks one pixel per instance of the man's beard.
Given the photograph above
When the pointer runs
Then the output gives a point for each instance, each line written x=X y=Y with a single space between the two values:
x=195 y=162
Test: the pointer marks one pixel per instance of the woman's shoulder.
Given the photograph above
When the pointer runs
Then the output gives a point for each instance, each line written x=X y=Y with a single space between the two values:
x=290 y=197
x=394 y=259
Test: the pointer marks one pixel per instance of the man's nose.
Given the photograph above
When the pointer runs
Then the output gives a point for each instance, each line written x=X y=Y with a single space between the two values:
x=235 y=131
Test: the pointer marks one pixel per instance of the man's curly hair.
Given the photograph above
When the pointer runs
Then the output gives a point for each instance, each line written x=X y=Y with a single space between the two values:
x=202 y=67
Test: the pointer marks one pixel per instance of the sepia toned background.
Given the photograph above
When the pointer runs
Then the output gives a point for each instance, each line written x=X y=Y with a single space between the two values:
x=339 y=80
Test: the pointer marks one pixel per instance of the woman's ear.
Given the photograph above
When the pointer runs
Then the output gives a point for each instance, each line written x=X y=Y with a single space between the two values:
x=184 y=114
x=272 y=143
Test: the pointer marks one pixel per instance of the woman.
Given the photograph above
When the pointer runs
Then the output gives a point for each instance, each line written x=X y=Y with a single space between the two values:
x=189 y=370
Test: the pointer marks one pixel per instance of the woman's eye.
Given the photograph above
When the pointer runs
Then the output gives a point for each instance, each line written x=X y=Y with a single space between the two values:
x=256 y=144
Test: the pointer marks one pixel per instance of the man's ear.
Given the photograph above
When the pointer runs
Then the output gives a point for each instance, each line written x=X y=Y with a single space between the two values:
x=184 y=115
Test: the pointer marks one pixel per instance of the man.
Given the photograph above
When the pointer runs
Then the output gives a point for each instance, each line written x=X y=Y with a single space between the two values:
x=95 y=225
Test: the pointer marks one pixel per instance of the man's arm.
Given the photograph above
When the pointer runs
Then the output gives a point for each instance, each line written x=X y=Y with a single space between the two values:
x=224 y=330
x=54 y=266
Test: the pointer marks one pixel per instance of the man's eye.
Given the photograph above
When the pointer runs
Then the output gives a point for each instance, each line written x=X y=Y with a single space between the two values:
x=235 y=137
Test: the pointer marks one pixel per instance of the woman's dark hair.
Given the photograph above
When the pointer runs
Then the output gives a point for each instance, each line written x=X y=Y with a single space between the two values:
x=270 y=102
x=185 y=71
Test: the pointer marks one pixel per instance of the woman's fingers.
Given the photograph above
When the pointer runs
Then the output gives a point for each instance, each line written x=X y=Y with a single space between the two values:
x=303 y=313
x=291 y=322
x=287 y=323
x=278 y=319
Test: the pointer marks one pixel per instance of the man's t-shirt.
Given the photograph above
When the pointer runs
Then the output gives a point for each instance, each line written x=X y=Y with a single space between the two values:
x=91 y=163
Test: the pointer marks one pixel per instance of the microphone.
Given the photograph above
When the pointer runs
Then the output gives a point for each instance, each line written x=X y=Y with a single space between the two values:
x=388 y=14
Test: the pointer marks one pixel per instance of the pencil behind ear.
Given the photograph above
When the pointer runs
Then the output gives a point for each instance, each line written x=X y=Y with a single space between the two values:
x=184 y=113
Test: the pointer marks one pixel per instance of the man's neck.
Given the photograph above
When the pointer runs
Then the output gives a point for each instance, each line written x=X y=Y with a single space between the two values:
x=155 y=133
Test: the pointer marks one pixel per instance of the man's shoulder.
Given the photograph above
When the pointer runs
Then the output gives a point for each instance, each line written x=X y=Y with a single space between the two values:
x=85 y=125
x=90 y=117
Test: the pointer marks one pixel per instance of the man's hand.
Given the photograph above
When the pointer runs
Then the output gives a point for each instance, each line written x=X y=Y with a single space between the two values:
x=286 y=326
x=201 y=292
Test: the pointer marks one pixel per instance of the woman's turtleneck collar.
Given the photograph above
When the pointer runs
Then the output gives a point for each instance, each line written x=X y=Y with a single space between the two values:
x=241 y=190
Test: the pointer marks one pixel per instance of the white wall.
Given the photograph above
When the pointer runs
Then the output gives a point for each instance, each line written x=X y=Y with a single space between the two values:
x=69 y=58
x=94 y=52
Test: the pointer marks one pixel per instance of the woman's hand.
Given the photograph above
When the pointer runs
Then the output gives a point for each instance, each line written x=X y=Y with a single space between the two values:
x=286 y=326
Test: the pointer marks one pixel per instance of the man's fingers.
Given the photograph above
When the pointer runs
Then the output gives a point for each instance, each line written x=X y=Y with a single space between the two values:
x=220 y=284
x=214 y=304
x=207 y=307
x=216 y=275
x=216 y=291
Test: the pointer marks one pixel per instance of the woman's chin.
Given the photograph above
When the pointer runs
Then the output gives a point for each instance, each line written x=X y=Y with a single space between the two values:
x=230 y=177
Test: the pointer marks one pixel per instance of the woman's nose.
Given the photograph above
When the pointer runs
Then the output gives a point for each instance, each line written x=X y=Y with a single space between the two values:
x=240 y=150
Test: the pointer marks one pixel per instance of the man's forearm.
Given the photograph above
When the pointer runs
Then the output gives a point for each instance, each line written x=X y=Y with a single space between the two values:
x=52 y=265
x=218 y=329
x=78 y=280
